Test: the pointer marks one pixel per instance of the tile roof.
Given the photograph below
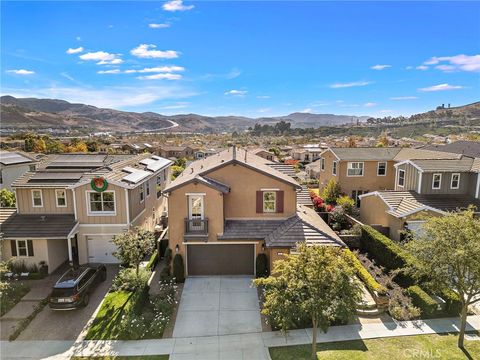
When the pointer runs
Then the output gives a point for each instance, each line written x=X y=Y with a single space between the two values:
x=14 y=158
x=467 y=148
x=365 y=153
x=5 y=213
x=243 y=157
x=421 y=154
x=441 y=165
x=303 y=197
x=38 y=226
x=304 y=226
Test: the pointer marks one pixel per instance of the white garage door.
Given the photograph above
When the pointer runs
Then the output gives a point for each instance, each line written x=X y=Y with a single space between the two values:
x=100 y=249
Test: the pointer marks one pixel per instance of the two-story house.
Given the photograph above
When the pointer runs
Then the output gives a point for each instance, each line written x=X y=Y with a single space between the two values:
x=13 y=165
x=427 y=183
x=230 y=207
x=358 y=170
x=72 y=205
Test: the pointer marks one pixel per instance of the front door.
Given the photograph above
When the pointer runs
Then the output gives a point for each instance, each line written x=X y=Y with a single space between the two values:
x=196 y=212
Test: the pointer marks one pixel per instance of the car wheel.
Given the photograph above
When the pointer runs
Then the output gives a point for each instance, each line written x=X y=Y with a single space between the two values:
x=86 y=298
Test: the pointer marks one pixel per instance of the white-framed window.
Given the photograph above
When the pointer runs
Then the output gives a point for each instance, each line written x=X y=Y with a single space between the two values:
x=159 y=186
x=355 y=169
x=436 y=181
x=22 y=248
x=101 y=202
x=455 y=182
x=142 y=192
x=37 y=198
x=61 y=197
x=381 y=168
x=334 y=168
x=147 y=185
x=401 y=178
x=269 y=201
x=322 y=164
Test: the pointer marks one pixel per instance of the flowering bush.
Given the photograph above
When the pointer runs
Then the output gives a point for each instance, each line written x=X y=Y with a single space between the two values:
x=128 y=280
x=329 y=208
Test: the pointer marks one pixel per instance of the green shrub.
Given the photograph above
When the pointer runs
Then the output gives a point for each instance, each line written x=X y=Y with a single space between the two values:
x=338 y=218
x=139 y=299
x=453 y=306
x=168 y=256
x=346 y=203
x=387 y=254
x=261 y=264
x=153 y=261
x=163 y=247
x=423 y=301
x=128 y=280
x=369 y=281
x=165 y=273
x=331 y=192
x=178 y=269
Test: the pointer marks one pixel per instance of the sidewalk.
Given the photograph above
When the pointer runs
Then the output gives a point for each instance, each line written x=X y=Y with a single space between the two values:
x=231 y=347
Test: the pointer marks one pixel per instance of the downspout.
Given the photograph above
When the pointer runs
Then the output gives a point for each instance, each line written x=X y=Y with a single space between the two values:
x=128 y=207
x=74 y=204
x=419 y=182
x=477 y=194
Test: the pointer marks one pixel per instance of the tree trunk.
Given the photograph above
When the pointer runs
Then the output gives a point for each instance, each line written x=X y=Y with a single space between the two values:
x=463 y=325
x=314 y=339
x=137 y=267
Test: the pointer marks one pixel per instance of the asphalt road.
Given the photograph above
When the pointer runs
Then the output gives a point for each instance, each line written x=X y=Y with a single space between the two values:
x=67 y=325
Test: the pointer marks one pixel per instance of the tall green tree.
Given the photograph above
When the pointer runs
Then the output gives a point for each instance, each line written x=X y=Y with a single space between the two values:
x=7 y=198
x=331 y=192
x=133 y=246
x=315 y=283
x=448 y=253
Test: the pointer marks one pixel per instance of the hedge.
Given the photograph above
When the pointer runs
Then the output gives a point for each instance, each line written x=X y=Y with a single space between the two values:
x=261 y=265
x=178 y=269
x=423 y=301
x=453 y=306
x=369 y=281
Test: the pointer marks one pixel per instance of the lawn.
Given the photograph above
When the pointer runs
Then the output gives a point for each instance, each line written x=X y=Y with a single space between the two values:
x=107 y=322
x=405 y=347
x=10 y=297
x=145 y=357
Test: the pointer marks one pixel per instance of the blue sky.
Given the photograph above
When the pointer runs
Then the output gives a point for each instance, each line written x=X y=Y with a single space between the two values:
x=246 y=57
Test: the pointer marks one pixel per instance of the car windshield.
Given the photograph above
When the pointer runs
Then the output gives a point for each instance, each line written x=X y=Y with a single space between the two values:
x=68 y=279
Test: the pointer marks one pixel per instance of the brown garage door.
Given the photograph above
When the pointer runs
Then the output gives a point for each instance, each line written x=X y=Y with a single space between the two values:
x=222 y=259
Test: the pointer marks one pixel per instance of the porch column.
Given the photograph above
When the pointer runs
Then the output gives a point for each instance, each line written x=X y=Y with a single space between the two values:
x=70 y=257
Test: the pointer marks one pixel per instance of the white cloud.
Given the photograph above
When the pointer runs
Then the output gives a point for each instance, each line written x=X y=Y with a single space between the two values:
x=110 y=97
x=21 y=72
x=178 y=105
x=74 y=50
x=159 y=69
x=263 y=97
x=385 y=111
x=441 y=87
x=264 y=110
x=380 y=67
x=397 y=98
x=146 y=51
x=307 y=110
x=455 y=63
x=158 y=26
x=103 y=58
x=370 y=104
x=319 y=103
x=236 y=92
x=422 y=67
x=409 y=68
x=349 y=84
x=113 y=71
x=165 y=76
x=176 y=5
x=78 y=38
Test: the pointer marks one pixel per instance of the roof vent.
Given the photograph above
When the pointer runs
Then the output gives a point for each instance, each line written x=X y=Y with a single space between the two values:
x=43 y=218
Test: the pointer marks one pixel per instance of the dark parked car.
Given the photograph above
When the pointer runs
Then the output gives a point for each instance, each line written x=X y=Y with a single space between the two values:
x=72 y=290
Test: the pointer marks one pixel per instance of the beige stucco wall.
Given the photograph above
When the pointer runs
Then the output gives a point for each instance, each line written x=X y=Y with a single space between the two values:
x=120 y=206
x=240 y=202
x=326 y=175
x=25 y=202
x=57 y=253
x=373 y=211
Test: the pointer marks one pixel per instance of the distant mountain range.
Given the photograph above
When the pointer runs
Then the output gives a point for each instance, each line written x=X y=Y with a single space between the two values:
x=35 y=114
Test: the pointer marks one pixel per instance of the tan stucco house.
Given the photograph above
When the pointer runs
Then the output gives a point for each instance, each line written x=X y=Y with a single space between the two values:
x=72 y=205
x=230 y=207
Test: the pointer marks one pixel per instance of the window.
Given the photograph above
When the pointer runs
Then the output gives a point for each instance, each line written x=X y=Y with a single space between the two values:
x=32 y=167
x=355 y=169
x=269 y=201
x=455 y=183
x=334 y=168
x=37 y=199
x=103 y=202
x=436 y=181
x=382 y=169
x=322 y=164
x=159 y=186
x=147 y=185
x=61 y=198
x=356 y=194
x=401 y=178
x=142 y=192
x=22 y=247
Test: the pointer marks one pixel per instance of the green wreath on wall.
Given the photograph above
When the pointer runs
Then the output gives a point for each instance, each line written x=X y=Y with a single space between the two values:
x=99 y=184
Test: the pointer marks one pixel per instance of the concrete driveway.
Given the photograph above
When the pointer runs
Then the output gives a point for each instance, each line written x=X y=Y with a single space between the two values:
x=67 y=325
x=217 y=305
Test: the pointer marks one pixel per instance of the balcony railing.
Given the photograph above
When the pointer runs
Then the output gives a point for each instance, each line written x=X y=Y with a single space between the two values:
x=196 y=227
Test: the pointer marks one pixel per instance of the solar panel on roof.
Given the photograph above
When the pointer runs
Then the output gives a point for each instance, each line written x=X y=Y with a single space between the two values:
x=129 y=169
x=56 y=176
x=136 y=176
x=7 y=158
x=157 y=165
x=147 y=161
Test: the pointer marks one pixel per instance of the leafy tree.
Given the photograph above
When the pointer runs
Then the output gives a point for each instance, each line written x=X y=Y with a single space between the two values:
x=7 y=198
x=316 y=283
x=448 y=253
x=55 y=147
x=176 y=170
x=92 y=146
x=40 y=146
x=352 y=142
x=331 y=192
x=133 y=246
x=182 y=162
x=29 y=142
x=346 y=203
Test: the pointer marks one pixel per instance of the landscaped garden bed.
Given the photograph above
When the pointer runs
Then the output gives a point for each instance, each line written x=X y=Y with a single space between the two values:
x=10 y=296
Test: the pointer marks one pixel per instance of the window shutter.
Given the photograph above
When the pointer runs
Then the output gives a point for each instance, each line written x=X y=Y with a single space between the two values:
x=259 y=202
x=279 y=204
x=30 y=247
x=13 y=245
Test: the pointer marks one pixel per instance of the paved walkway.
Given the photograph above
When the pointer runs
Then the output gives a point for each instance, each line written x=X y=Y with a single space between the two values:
x=217 y=305
x=231 y=347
